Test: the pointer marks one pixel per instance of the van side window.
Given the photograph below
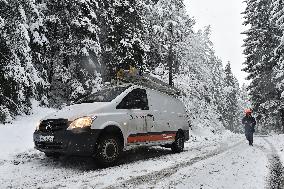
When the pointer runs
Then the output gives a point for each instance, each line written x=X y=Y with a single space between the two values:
x=136 y=99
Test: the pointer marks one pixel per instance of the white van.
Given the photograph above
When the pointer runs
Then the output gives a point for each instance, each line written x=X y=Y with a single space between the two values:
x=112 y=120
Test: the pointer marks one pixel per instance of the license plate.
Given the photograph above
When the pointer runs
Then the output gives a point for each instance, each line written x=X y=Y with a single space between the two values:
x=46 y=138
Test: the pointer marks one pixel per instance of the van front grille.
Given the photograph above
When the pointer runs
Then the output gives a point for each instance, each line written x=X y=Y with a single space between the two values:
x=51 y=125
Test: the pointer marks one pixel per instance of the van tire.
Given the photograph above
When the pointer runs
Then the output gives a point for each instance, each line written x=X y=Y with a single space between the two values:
x=108 y=151
x=178 y=144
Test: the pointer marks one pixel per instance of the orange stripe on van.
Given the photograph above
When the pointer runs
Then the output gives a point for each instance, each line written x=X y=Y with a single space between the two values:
x=151 y=137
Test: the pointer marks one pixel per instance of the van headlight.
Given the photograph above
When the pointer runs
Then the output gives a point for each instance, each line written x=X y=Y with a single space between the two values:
x=81 y=123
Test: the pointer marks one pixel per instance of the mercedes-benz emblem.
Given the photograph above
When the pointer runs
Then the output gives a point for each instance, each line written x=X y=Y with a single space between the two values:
x=48 y=126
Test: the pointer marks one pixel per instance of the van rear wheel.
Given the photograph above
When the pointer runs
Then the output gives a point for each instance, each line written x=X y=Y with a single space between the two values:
x=178 y=144
x=108 y=151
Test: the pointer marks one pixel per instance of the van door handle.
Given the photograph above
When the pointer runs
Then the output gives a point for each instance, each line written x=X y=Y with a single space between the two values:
x=151 y=115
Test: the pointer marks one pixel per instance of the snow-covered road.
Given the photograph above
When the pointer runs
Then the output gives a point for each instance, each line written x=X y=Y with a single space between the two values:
x=239 y=167
x=236 y=166
x=227 y=163
x=31 y=169
x=220 y=161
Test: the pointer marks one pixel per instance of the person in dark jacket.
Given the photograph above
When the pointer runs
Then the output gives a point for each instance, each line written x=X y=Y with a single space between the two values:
x=249 y=122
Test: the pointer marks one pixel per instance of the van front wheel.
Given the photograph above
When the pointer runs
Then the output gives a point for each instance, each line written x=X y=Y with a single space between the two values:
x=108 y=151
x=178 y=144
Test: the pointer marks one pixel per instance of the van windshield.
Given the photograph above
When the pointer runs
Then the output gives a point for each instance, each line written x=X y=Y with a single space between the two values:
x=105 y=95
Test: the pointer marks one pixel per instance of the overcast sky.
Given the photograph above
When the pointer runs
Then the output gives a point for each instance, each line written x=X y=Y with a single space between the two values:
x=225 y=19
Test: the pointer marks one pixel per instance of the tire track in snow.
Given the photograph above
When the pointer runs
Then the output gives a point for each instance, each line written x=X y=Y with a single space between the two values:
x=37 y=161
x=276 y=175
x=156 y=176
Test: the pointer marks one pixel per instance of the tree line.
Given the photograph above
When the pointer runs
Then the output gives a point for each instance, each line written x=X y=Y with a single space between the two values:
x=57 y=51
x=264 y=61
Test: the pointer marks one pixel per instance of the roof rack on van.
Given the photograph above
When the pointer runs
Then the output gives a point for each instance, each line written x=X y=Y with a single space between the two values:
x=151 y=82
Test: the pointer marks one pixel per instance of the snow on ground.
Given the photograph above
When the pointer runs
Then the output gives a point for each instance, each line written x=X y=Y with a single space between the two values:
x=209 y=161
x=17 y=137
x=32 y=169
x=278 y=142
x=240 y=167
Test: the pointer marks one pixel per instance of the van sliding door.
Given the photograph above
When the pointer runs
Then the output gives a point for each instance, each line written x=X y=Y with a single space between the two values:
x=136 y=103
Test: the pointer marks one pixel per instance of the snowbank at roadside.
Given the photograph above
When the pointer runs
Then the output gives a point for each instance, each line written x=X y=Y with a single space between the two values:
x=17 y=137
x=278 y=142
x=204 y=136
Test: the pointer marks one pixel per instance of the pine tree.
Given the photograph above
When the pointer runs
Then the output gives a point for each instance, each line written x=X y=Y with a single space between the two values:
x=167 y=26
x=277 y=17
x=231 y=113
x=259 y=46
x=203 y=75
x=18 y=75
x=73 y=49
x=122 y=44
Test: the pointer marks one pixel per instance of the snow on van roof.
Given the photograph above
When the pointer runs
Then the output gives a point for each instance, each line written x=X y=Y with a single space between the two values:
x=153 y=83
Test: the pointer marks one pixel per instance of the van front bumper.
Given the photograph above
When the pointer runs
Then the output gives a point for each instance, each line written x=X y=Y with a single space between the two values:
x=78 y=142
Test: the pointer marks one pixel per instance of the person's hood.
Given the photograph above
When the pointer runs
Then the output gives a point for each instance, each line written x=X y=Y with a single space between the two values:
x=77 y=110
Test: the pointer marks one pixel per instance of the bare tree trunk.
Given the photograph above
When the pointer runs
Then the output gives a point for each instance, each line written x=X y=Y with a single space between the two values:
x=282 y=118
x=170 y=63
x=171 y=66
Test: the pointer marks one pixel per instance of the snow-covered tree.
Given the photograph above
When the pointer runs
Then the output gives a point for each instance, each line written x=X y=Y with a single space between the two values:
x=278 y=71
x=56 y=51
x=260 y=44
x=72 y=50
x=49 y=50
x=167 y=25
x=18 y=75
x=202 y=77
x=232 y=92
x=122 y=43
